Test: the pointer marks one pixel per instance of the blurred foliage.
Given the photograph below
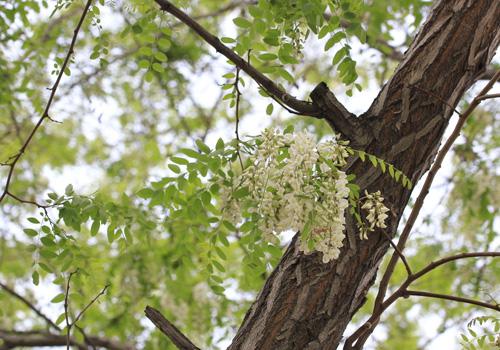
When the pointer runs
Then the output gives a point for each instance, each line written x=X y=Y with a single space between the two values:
x=140 y=87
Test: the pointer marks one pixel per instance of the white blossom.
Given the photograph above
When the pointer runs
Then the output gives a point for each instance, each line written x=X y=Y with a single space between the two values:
x=296 y=184
x=374 y=205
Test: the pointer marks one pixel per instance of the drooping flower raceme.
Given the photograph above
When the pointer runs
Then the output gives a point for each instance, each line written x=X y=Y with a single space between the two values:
x=294 y=183
x=374 y=205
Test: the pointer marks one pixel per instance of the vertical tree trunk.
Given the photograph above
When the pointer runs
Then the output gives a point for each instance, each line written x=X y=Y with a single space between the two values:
x=306 y=304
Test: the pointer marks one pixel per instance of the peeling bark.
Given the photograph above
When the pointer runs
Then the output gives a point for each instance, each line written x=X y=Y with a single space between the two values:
x=306 y=304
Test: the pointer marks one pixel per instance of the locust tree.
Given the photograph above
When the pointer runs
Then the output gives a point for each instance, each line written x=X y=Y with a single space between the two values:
x=189 y=166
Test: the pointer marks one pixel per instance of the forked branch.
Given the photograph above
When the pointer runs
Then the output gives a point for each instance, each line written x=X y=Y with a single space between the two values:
x=358 y=338
x=324 y=105
x=302 y=107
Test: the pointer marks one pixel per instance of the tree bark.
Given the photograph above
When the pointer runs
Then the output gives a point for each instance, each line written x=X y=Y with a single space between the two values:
x=306 y=304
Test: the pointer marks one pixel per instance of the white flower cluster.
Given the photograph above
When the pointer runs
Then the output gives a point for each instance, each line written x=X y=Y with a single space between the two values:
x=374 y=204
x=296 y=184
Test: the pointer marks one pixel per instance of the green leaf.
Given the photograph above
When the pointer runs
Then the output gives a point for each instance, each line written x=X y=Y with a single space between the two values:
x=333 y=40
x=227 y=40
x=174 y=168
x=145 y=193
x=190 y=153
x=242 y=22
x=241 y=192
x=339 y=55
x=202 y=146
x=69 y=190
x=268 y=57
x=47 y=253
x=110 y=234
x=373 y=159
x=217 y=289
x=229 y=226
x=397 y=175
x=45 y=267
x=362 y=155
x=160 y=56
x=269 y=109
x=35 y=277
x=391 y=170
x=58 y=298
x=61 y=318
x=179 y=160
x=30 y=232
x=158 y=67
x=219 y=146
x=48 y=241
x=382 y=165
x=218 y=266
x=144 y=64
x=33 y=220
x=94 y=229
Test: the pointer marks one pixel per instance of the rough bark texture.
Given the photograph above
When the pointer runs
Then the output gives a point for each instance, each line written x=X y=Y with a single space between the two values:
x=306 y=304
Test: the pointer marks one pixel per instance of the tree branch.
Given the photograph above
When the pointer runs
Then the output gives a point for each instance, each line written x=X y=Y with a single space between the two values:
x=13 y=339
x=400 y=253
x=167 y=328
x=448 y=259
x=358 y=338
x=302 y=107
x=339 y=118
x=70 y=325
x=77 y=318
x=30 y=305
x=45 y=115
x=408 y=293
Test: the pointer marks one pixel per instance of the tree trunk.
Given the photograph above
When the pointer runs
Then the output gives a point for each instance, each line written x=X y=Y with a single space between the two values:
x=306 y=304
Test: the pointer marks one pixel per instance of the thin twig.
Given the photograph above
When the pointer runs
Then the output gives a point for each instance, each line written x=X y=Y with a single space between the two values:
x=450 y=297
x=399 y=252
x=45 y=114
x=72 y=324
x=237 y=106
x=66 y=310
x=41 y=206
x=90 y=303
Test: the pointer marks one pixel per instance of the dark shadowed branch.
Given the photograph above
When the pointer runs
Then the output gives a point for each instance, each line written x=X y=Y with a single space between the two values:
x=16 y=339
x=167 y=328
